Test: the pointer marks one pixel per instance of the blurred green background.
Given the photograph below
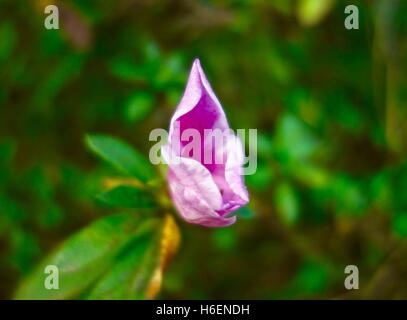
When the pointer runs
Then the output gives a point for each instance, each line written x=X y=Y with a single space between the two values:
x=330 y=106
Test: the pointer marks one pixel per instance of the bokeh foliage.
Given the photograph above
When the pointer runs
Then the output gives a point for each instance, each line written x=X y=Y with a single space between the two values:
x=330 y=106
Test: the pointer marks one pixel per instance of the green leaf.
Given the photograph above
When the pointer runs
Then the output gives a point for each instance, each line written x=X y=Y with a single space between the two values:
x=287 y=203
x=131 y=276
x=121 y=156
x=138 y=106
x=349 y=195
x=244 y=213
x=12 y=211
x=400 y=225
x=127 y=197
x=312 y=278
x=84 y=257
x=24 y=249
x=311 y=12
x=137 y=273
x=65 y=70
x=127 y=69
x=263 y=176
x=312 y=175
x=294 y=141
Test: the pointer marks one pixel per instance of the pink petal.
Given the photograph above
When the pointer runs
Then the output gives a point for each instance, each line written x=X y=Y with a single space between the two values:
x=193 y=207
x=234 y=169
x=192 y=175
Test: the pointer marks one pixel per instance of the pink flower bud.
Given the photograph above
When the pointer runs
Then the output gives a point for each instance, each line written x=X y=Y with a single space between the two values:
x=207 y=185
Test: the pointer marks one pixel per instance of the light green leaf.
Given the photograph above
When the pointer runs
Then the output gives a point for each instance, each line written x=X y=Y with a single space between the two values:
x=286 y=203
x=312 y=176
x=127 y=197
x=138 y=271
x=349 y=196
x=294 y=141
x=84 y=257
x=138 y=106
x=311 y=12
x=121 y=156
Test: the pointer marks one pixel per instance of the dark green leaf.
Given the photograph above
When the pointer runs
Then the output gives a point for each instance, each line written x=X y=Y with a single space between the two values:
x=400 y=225
x=8 y=36
x=312 y=278
x=131 y=275
x=127 y=197
x=121 y=156
x=244 y=213
x=83 y=258
x=7 y=151
x=126 y=69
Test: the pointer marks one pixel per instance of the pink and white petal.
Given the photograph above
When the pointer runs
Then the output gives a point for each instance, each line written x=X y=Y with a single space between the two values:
x=234 y=168
x=191 y=97
x=198 y=95
x=222 y=122
x=193 y=176
x=194 y=209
